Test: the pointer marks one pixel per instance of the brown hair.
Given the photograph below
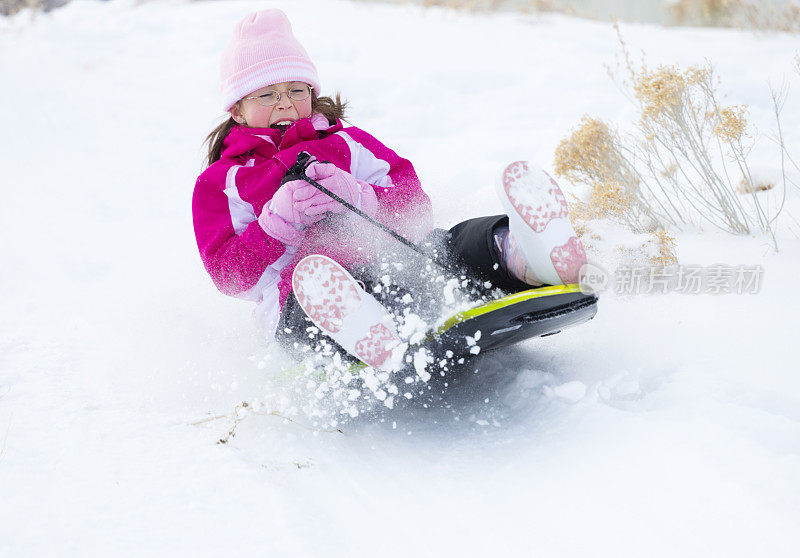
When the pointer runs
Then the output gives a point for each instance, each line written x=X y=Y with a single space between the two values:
x=330 y=108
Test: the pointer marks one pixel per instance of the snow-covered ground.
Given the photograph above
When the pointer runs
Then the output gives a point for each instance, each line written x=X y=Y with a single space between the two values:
x=667 y=426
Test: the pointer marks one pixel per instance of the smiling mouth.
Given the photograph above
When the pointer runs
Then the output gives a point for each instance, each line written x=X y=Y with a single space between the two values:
x=282 y=123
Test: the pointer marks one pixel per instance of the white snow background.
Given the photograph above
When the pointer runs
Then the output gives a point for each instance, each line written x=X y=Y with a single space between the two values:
x=667 y=426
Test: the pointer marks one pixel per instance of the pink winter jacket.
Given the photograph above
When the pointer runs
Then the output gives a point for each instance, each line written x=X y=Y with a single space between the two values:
x=229 y=195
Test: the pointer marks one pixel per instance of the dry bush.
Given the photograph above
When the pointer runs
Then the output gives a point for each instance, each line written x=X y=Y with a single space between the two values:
x=761 y=15
x=681 y=165
x=10 y=7
x=703 y=12
x=664 y=244
x=594 y=155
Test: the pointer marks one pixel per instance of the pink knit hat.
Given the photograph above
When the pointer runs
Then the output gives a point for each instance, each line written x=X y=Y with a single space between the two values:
x=263 y=51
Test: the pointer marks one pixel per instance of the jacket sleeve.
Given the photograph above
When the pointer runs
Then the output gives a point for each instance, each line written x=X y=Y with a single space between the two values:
x=402 y=205
x=234 y=249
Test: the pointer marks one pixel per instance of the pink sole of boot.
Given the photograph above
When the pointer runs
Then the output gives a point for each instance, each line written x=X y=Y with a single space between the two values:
x=375 y=348
x=325 y=292
x=566 y=258
x=328 y=294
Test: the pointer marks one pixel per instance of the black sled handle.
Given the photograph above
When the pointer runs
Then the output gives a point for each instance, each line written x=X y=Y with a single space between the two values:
x=298 y=172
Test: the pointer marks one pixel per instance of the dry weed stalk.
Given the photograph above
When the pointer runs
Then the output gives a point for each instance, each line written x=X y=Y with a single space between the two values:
x=3 y=446
x=243 y=410
x=682 y=163
x=778 y=100
x=745 y=188
x=760 y=15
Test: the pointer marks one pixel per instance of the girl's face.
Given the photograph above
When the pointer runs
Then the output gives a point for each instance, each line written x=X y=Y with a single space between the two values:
x=255 y=114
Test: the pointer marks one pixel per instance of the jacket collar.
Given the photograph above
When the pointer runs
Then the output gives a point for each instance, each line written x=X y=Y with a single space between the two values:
x=265 y=142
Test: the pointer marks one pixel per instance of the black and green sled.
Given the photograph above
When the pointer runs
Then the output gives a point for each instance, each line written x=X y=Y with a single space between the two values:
x=513 y=318
x=505 y=321
x=501 y=322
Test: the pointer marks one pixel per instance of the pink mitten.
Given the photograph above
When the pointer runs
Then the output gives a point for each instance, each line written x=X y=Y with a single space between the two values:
x=277 y=227
x=288 y=202
x=282 y=218
x=355 y=192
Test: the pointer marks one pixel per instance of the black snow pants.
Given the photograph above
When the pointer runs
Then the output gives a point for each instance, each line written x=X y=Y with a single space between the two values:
x=470 y=250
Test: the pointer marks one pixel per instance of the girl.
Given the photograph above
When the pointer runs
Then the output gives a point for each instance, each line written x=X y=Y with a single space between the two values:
x=294 y=250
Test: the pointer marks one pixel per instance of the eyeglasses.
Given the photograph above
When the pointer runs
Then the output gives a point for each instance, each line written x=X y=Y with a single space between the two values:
x=295 y=93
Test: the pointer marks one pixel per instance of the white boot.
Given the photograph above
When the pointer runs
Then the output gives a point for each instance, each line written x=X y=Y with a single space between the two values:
x=339 y=307
x=539 y=222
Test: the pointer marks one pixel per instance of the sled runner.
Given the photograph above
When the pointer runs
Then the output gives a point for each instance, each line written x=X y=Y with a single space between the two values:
x=511 y=319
